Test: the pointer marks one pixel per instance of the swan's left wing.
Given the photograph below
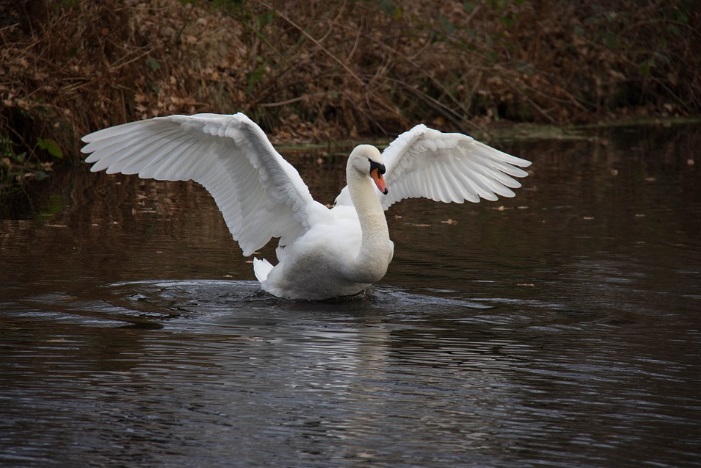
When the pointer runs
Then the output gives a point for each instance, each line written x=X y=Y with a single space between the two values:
x=259 y=193
x=448 y=167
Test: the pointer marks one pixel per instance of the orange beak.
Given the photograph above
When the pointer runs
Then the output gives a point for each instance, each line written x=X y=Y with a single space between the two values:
x=379 y=180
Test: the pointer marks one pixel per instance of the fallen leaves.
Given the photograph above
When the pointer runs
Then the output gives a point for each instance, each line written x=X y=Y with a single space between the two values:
x=311 y=72
x=448 y=222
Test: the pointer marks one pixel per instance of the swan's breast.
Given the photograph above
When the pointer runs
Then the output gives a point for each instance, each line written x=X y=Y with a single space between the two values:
x=316 y=265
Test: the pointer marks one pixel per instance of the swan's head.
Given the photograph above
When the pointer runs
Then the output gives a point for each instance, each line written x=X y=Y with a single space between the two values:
x=367 y=160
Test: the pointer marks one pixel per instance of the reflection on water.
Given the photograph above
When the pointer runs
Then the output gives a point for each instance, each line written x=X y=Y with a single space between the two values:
x=561 y=327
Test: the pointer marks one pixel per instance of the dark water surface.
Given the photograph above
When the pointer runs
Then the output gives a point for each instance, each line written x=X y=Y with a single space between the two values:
x=560 y=328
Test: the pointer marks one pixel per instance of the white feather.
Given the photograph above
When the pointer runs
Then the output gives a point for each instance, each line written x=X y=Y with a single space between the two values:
x=321 y=253
x=229 y=155
x=423 y=162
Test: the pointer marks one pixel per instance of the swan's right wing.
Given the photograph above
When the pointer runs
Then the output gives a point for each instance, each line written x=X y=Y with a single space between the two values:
x=259 y=193
x=447 y=167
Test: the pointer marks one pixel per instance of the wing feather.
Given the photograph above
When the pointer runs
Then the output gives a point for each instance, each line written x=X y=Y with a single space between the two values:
x=459 y=192
x=259 y=193
x=115 y=151
x=447 y=167
x=487 y=181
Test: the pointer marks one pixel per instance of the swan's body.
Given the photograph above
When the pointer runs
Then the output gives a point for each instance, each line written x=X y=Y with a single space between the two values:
x=322 y=253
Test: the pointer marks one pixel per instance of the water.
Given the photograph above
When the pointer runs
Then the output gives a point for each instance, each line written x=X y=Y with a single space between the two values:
x=559 y=328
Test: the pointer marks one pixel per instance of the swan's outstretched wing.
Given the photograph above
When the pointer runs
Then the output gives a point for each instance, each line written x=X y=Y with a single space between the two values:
x=259 y=193
x=447 y=167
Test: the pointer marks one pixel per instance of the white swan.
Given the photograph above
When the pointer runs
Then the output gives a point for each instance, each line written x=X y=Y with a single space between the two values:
x=322 y=253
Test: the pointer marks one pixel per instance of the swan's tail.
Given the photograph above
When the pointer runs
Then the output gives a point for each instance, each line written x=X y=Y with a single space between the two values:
x=261 y=268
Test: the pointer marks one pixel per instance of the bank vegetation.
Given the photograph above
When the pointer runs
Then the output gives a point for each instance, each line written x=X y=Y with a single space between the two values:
x=312 y=71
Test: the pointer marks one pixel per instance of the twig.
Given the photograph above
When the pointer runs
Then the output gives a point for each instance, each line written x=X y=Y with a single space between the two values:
x=317 y=43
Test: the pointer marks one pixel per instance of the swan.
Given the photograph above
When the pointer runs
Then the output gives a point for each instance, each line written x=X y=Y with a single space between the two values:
x=322 y=252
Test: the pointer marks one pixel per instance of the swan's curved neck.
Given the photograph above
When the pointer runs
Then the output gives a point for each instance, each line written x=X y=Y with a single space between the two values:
x=371 y=263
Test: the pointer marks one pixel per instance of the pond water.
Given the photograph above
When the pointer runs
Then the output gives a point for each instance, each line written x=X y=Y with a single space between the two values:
x=562 y=327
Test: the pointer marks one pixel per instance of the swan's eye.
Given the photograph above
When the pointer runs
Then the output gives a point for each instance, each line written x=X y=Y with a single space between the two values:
x=375 y=165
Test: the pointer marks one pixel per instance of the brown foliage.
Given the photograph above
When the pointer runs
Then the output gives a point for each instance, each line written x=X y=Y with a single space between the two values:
x=338 y=69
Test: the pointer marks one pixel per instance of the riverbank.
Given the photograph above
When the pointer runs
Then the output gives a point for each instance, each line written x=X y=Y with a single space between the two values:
x=343 y=70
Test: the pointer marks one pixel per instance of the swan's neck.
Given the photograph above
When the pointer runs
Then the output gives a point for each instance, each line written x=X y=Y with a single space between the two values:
x=371 y=263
